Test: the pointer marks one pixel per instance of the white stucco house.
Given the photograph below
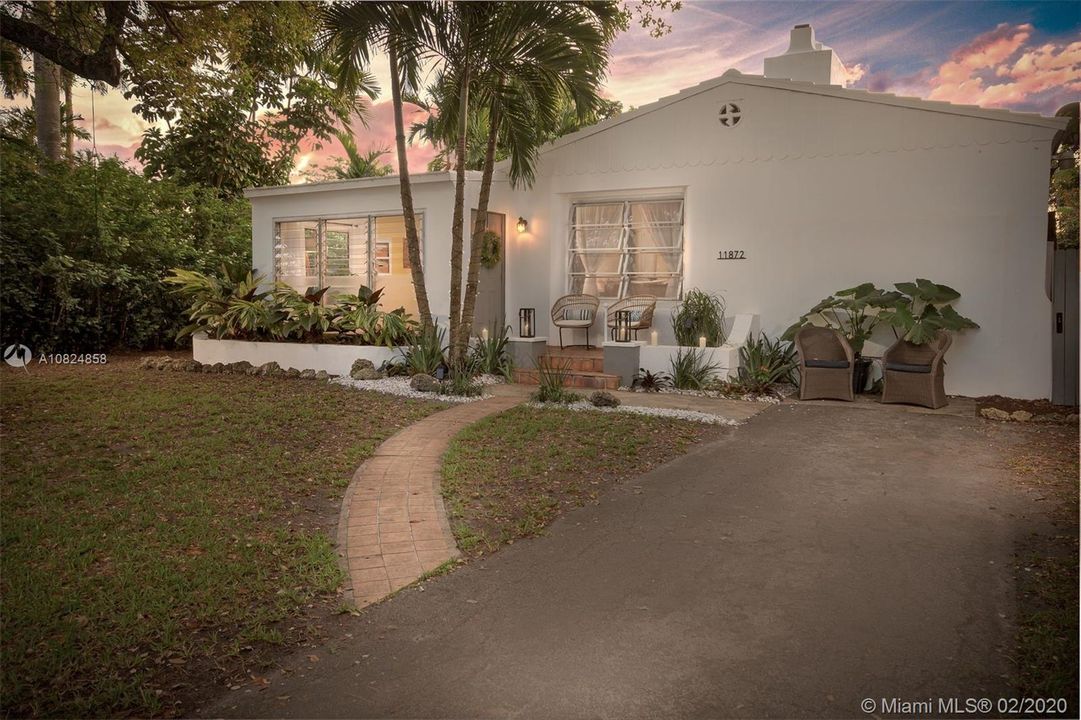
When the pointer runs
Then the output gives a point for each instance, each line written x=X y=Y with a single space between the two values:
x=772 y=190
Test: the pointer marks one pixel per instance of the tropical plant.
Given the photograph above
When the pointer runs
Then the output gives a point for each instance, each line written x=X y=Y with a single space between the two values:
x=552 y=382
x=648 y=381
x=854 y=312
x=491 y=357
x=355 y=164
x=427 y=353
x=227 y=306
x=462 y=383
x=691 y=370
x=305 y=318
x=923 y=309
x=764 y=363
x=701 y=314
x=358 y=317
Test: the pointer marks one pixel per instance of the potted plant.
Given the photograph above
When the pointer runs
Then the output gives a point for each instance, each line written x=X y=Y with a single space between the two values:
x=854 y=312
x=699 y=315
x=922 y=309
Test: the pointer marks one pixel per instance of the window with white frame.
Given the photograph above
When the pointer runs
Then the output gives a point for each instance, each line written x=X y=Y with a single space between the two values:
x=345 y=253
x=622 y=248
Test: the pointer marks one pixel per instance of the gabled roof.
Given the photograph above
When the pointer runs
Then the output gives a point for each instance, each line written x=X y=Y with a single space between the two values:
x=735 y=77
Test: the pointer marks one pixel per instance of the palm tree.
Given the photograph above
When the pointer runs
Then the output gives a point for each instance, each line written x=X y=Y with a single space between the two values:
x=351 y=32
x=357 y=164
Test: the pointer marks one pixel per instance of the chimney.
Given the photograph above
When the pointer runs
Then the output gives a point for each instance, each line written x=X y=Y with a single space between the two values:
x=806 y=59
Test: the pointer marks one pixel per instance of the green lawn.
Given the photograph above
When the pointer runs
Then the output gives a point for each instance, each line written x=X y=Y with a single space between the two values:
x=511 y=474
x=159 y=528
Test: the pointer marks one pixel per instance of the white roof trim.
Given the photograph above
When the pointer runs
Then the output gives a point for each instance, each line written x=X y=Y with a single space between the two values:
x=737 y=78
x=356 y=184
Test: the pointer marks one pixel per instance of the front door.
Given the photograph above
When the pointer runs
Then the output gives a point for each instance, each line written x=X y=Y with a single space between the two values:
x=489 y=311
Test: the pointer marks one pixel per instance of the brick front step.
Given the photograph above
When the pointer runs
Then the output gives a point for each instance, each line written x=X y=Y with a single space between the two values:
x=576 y=363
x=579 y=379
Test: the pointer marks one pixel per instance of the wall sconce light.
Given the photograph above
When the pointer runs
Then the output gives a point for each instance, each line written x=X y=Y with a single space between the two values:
x=522 y=224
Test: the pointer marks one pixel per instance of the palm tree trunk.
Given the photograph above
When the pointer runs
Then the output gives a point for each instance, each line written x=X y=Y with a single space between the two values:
x=69 y=118
x=412 y=238
x=480 y=226
x=457 y=345
x=47 y=106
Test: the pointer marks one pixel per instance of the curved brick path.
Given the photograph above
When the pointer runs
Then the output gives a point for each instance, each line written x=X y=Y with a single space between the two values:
x=393 y=526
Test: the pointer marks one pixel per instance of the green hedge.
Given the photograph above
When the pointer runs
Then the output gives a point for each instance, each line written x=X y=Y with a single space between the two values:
x=83 y=251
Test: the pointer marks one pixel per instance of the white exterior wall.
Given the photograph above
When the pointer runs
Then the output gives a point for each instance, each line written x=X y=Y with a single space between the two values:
x=822 y=193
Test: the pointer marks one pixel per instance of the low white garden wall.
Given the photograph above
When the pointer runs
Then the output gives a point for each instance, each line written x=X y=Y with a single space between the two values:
x=658 y=358
x=335 y=359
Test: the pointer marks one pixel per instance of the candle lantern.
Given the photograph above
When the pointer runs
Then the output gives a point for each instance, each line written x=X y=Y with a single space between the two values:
x=525 y=322
x=623 y=326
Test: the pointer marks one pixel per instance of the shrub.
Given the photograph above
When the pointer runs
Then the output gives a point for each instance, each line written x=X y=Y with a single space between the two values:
x=700 y=314
x=491 y=357
x=691 y=370
x=764 y=363
x=924 y=309
x=601 y=398
x=462 y=383
x=83 y=251
x=650 y=381
x=427 y=353
x=553 y=380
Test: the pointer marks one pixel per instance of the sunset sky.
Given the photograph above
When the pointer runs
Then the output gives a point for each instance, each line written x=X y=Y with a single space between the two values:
x=1017 y=55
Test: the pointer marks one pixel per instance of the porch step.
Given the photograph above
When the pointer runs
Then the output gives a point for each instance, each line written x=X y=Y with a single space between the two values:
x=581 y=379
x=577 y=359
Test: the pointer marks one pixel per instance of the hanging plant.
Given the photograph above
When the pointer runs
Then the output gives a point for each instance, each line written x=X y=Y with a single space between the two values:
x=491 y=249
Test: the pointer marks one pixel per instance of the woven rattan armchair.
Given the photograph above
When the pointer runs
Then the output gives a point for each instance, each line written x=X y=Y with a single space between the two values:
x=826 y=363
x=641 y=308
x=914 y=374
x=575 y=312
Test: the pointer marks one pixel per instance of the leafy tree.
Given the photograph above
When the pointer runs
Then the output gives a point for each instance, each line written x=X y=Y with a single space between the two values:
x=246 y=79
x=83 y=250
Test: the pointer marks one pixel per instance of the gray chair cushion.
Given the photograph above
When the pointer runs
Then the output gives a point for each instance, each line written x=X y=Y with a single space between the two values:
x=908 y=367
x=574 y=323
x=832 y=364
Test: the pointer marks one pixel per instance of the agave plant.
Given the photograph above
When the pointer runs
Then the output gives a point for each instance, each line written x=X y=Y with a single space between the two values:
x=552 y=380
x=490 y=356
x=691 y=370
x=923 y=309
x=427 y=352
x=764 y=363
x=854 y=312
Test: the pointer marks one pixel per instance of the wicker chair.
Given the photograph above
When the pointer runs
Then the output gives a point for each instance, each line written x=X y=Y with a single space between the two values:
x=641 y=308
x=913 y=374
x=576 y=312
x=826 y=363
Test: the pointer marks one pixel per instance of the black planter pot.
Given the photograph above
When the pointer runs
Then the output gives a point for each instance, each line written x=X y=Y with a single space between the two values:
x=860 y=373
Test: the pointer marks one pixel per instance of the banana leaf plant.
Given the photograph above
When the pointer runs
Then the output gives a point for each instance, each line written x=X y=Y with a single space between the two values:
x=855 y=312
x=923 y=309
x=229 y=305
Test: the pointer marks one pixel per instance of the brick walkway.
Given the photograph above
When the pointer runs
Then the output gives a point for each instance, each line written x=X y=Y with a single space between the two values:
x=393 y=526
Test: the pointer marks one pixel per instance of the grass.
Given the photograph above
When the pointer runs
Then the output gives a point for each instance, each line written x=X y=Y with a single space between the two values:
x=510 y=475
x=1045 y=460
x=163 y=531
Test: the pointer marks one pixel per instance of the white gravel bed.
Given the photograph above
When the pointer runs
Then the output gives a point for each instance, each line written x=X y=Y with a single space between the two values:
x=691 y=415
x=400 y=386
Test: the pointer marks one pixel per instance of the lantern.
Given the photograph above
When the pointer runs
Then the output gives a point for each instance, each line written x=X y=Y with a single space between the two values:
x=525 y=322
x=623 y=326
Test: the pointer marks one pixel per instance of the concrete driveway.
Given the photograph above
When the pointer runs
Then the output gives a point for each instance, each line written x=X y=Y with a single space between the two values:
x=812 y=558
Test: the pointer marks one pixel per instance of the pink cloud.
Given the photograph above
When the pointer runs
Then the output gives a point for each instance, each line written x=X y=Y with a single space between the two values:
x=1000 y=69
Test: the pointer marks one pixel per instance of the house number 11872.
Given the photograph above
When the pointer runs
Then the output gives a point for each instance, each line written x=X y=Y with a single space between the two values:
x=731 y=255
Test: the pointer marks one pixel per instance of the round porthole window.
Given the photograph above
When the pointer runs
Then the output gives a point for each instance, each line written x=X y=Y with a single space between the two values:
x=729 y=114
